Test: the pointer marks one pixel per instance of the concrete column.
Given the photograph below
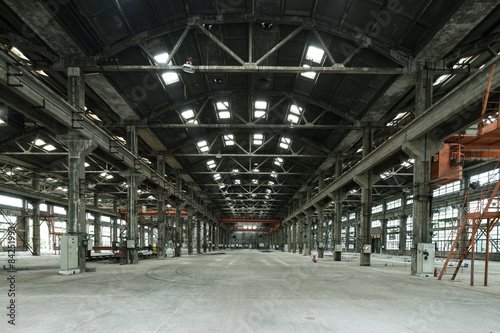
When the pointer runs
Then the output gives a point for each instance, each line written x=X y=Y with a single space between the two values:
x=36 y=217
x=294 y=242
x=161 y=221
x=210 y=237
x=308 y=225
x=97 y=231
x=402 y=234
x=205 y=232
x=421 y=150
x=133 y=181
x=114 y=222
x=150 y=236
x=78 y=148
x=142 y=238
x=402 y=225
x=366 y=182
x=289 y=237
x=216 y=237
x=300 y=242
x=190 y=230
x=337 y=221
x=198 y=235
x=383 y=236
x=97 y=224
x=178 y=231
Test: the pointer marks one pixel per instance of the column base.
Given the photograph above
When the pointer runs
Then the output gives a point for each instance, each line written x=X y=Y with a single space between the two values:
x=70 y=272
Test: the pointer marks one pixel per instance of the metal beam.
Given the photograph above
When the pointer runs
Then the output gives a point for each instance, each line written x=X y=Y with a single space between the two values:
x=221 y=44
x=451 y=105
x=244 y=126
x=280 y=44
x=252 y=68
x=36 y=93
x=247 y=155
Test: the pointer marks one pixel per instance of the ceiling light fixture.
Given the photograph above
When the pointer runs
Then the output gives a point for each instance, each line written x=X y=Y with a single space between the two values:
x=188 y=66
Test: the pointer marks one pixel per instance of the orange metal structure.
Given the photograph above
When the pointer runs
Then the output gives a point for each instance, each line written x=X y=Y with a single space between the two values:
x=483 y=145
x=249 y=230
x=249 y=219
x=446 y=166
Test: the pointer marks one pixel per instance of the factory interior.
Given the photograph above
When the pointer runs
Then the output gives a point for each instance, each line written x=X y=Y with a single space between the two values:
x=249 y=165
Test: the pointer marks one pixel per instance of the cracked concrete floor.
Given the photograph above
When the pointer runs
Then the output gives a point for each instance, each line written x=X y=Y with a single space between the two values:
x=248 y=291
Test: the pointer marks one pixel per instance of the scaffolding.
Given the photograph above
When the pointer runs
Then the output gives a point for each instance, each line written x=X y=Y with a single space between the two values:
x=474 y=222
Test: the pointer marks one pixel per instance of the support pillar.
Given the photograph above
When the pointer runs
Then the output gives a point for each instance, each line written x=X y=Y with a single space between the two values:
x=210 y=237
x=217 y=241
x=198 y=235
x=294 y=245
x=97 y=224
x=205 y=235
x=337 y=221
x=301 y=234
x=161 y=220
x=133 y=181
x=36 y=217
x=289 y=237
x=421 y=150
x=114 y=224
x=365 y=181
x=78 y=148
x=190 y=231
x=308 y=226
x=178 y=231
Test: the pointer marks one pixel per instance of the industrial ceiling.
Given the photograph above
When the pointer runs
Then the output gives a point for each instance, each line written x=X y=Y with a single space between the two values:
x=250 y=103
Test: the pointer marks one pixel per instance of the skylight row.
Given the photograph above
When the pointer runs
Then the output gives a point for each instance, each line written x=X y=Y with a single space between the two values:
x=314 y=55
x=295 y=114
x=168 y=77
x=285 y=142
x=258 y=139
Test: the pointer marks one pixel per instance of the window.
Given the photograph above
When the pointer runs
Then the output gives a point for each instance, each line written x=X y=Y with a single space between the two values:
x=202 y=146
x=377 y=209
x=255 y=181
x=485 y=177
x=274 y=174
x=237 y=181
x=294 y=114
x=229 y=140
x=189 y=116
x=223 y=110
x=278 y=161
x=10 y=201
x=310 y=75
x=59 y=210
x=168 y=77
x=258 y=139
x=447 y=189
x=315 y=54
x=217 y=176
x=352 y=216
x=285 y=143
x=394 y=204
x=376 y=224
x=260 y=109
x=211 y=164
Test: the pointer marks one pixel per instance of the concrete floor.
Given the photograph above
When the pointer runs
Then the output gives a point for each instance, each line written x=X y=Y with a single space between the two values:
x=248 y=291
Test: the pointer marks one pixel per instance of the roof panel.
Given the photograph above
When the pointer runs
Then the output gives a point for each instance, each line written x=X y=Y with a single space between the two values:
x=140 y=15
x=110 y=25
